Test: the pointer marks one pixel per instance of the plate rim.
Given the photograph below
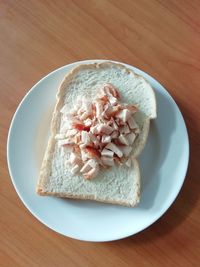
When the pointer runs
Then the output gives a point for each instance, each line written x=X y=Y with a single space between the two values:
x=172 y=198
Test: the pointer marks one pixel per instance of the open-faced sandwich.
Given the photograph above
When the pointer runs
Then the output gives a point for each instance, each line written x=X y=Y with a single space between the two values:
x=99 y=127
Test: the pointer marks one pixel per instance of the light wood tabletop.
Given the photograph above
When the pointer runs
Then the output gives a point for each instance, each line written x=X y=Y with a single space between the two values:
x=160 y=37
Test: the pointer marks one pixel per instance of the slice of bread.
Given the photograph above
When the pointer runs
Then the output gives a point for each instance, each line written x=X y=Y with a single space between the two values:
x=117 y=185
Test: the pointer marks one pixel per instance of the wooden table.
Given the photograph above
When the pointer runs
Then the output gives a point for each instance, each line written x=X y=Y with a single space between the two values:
x=159 y=37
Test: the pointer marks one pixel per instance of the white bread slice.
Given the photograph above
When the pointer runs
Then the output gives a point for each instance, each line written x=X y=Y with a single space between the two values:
x=117 y=185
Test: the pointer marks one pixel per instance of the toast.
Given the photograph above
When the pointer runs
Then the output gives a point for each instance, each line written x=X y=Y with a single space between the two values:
x=119 y=184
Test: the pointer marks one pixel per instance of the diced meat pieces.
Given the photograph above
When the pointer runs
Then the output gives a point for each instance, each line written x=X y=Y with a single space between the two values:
x=59 y=136
x=111 y=111
x=86 y=106
x=126 y=150
x=77 y=138
x=92 y=152
x=107 y=152
x=84 y=116
x=123 y=139
x=91 y=174
x=131 y=122
x=75 y=159
x=66 y=126
x=107 y=161
x=131 y=108
x=112 y=100
x=98 y=137
x=72 y=158
x=137 y=130
x=119 y=122
x=131 y=138
x=82 y=146
x=84 y=155
x=87 y=166
x=94 y=140
x=111 y=146
x=106 y=139
x=93 y=163
x=99 y=108
x=124 y=115
x=75 y=169
x=88 y=122
x=71 y=132
x=115 y=126
x=65 y=142
x=109 y=89
x=99 y=133
x=90 y=169
x=124 y=129
x=85 y=138
x=114 y=134
x=103 y=97
x=105 y=129
x=94 y=129
x=81 y=127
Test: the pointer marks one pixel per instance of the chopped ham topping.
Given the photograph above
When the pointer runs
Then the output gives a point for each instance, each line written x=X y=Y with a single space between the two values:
x=114 y=124
x=131 y=108
x=105 y=139
x=74 y=159
x=71 y=132
x=131 y=138
x=98 y=134
x=99 y=108
x=124 y=115
x=110 y=90
x=86 y=167
x=91 y=174
x=89 y=165
x=112 y=100
x=65 y=142
x=111 y=111
x=115 y=149
x=124 y=129
x=84 y=115
x=85 y=138
x=114 y=135
x=132 y=124
x=126 y=150
x=66 y=126
x=104 y=129
x=75 y=169
x=88 y=122
x=107 y=152
x=123 y=139
x=107 y=161
x=59 y=136
x=80 y=127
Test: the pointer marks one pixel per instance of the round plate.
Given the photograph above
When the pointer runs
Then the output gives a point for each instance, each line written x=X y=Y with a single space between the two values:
x=163 y=162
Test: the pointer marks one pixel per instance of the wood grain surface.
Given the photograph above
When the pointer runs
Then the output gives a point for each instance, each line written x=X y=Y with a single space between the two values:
x=159 y=37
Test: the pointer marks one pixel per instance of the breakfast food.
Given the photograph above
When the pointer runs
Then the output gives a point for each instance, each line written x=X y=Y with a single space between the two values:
x=99 y=127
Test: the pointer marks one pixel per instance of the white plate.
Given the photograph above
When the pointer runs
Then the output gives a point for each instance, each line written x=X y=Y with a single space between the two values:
x=164 y=164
